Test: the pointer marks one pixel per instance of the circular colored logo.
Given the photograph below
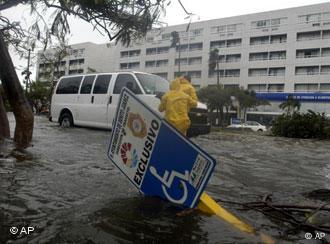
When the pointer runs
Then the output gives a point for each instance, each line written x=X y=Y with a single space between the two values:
x=128 y=155
x=137 y=125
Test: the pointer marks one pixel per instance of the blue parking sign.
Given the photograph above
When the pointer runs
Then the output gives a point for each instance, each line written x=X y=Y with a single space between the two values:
x=154 y=156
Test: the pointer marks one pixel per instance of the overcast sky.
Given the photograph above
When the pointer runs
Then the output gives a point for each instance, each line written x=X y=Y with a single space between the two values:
x=204 y=10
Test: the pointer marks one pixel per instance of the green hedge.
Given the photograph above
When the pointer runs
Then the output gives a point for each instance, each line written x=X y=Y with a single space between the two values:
x=299 y=125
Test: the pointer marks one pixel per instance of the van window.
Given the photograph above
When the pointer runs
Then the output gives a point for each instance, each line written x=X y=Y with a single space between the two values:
x=102 y=84
x=126 y=80
x=87 y=84
x=69 y=85
x=152 y=84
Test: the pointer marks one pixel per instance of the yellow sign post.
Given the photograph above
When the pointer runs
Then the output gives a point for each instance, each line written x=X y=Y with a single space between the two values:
x=209 y=206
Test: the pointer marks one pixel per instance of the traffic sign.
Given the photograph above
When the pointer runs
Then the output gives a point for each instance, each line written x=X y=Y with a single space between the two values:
x=154 y=156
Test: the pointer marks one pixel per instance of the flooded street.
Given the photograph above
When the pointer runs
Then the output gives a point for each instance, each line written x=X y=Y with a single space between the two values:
x=70 y=192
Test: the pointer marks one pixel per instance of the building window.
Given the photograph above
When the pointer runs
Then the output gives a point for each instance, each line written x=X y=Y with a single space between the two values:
x=278 y=71
x=232 y=73
x=218 y=29
x=162 y=63
x=151 y=51
x=234 y=42
x=76 y=71
x=150 y=64
x=268 y=23
x=214 y=73
x=182 y=48
x=276 y=88
x=196 y=32
x=325 y=87
x=195 y=74
x=307 y=87
x=194 y=60
x=131 y=53
x=163 y=49
x=277 y=55
x=307 y=70
x=195 y=46
x=325 y=34
x=233 y=58
x=260 y=23
x=325 y=52
x=226 y=28
x=257 y=87
x=308 y=53
x=259 y=40
x=278 y=38
x=258 y=56
x=258 y=72
x=231 y=28
x=76 y=62
x=124 y=54
x=134 y=65
x=309 y=35
x=309 y=18
x=77 y=52
x=182 y=61
x=217 y=44
x=325 y=69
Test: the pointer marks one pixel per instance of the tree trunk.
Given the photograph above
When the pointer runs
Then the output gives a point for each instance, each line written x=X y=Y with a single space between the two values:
x=21 y=108
x=4 y=124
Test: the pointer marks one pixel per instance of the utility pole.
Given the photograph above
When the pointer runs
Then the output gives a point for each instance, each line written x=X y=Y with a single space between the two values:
x=176 y=40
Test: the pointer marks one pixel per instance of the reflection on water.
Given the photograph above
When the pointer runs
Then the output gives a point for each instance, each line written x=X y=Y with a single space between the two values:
x=70 y=192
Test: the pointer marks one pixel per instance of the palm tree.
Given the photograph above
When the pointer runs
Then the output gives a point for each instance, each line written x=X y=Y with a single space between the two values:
x=290 y=105
x=175 y=42
x=214 y=63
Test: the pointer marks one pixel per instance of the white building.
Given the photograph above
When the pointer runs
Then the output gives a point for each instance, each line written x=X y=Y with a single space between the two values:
x=275 y=53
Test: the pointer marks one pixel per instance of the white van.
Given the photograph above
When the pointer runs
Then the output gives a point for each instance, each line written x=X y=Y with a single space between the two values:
x=91 y=99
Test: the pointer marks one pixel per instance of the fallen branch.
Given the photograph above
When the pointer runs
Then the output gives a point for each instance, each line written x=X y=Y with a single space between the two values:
x=284 y=213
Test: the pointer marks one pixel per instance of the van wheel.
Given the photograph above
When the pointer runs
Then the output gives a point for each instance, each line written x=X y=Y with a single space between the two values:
x=260 y=130
x=66 y=120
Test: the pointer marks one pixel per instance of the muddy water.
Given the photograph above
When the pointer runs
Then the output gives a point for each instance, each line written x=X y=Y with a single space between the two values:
x=67 y=189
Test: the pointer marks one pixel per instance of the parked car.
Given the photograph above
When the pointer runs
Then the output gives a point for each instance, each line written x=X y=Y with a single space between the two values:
x=91 y=99
x=253 y=125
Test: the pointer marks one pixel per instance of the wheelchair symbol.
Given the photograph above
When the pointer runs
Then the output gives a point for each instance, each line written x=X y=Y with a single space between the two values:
x=167 y=180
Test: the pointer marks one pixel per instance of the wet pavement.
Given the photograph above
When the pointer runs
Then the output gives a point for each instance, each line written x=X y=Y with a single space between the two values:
x=69 y=192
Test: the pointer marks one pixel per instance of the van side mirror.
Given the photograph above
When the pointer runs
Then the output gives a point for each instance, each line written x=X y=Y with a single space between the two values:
x=159 y=94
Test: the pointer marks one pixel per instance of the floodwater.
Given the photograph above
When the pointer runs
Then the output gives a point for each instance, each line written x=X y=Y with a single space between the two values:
x=69 y=192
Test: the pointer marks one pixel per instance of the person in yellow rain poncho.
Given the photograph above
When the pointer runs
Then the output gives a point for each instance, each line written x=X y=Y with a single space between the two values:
x=176 y=105
x=187 y=88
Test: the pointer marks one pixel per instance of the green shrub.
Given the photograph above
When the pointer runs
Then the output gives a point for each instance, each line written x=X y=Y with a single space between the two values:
x=299 y=125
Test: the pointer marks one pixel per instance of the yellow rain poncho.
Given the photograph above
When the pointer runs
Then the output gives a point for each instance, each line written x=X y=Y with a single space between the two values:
x=176 y=105
x=187 y=88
